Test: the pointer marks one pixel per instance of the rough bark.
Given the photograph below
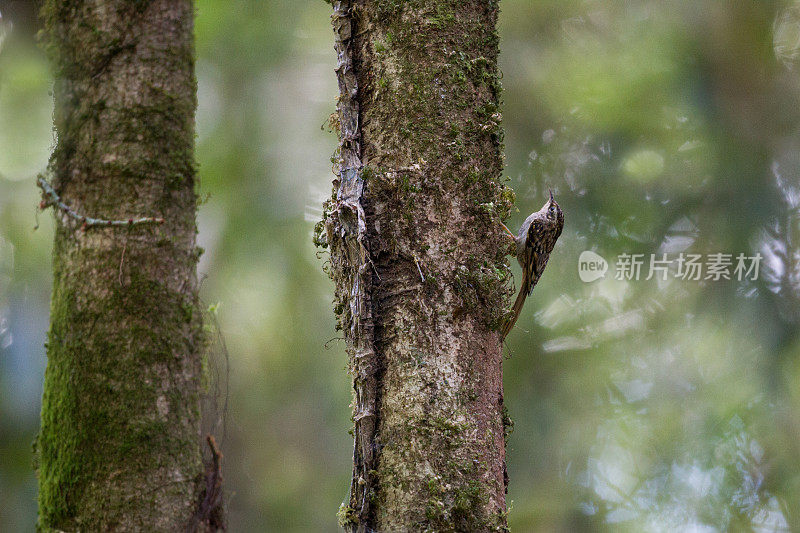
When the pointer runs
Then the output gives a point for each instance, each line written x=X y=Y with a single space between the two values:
x=119 y=446
x=418 y=260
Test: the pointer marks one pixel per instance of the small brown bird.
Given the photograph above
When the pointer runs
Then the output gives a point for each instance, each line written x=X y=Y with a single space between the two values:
x=536 y=239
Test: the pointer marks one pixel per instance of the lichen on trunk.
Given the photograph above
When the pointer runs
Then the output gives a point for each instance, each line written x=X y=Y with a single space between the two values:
x=119 y=446
x=418 y=260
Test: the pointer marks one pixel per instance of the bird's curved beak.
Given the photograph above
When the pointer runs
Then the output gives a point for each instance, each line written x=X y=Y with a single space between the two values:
x=551 y=196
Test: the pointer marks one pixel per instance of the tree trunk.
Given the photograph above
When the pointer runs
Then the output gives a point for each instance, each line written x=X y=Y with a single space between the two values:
x=119 y=446
x=418 y=260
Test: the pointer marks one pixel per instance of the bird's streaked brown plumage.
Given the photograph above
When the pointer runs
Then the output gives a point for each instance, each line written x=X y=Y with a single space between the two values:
x=536 y=239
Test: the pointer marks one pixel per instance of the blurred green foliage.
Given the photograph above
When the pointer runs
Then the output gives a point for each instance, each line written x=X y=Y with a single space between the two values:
x=663 y=127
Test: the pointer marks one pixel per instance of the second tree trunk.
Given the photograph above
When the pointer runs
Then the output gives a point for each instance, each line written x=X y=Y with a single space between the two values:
x=418 y=258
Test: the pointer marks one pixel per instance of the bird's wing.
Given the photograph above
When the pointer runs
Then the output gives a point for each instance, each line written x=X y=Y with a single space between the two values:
x=534 y=232
x=537 y=254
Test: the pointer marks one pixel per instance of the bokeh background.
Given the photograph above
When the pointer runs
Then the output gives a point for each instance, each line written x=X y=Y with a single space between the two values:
x=662 y=126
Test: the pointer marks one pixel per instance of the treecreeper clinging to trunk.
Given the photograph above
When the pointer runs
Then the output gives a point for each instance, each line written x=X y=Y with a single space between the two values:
x=536 y=239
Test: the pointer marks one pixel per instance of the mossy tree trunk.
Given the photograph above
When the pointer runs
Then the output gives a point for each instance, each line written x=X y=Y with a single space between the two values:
x=119 y=446
x=418 y=260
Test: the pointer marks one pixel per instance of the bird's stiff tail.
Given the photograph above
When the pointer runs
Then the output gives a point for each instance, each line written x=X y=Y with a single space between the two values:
x=520 y=301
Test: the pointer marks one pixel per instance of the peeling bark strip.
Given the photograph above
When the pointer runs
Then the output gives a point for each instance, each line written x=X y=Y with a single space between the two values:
x=347 y=237
x=119 y=445
x=418 y=259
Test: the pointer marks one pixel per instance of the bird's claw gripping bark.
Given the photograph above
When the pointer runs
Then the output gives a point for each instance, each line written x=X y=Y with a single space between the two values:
x=512 y=243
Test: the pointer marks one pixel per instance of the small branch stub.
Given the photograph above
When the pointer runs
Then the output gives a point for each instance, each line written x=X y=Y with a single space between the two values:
x=209 y=515
x=50 y=198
